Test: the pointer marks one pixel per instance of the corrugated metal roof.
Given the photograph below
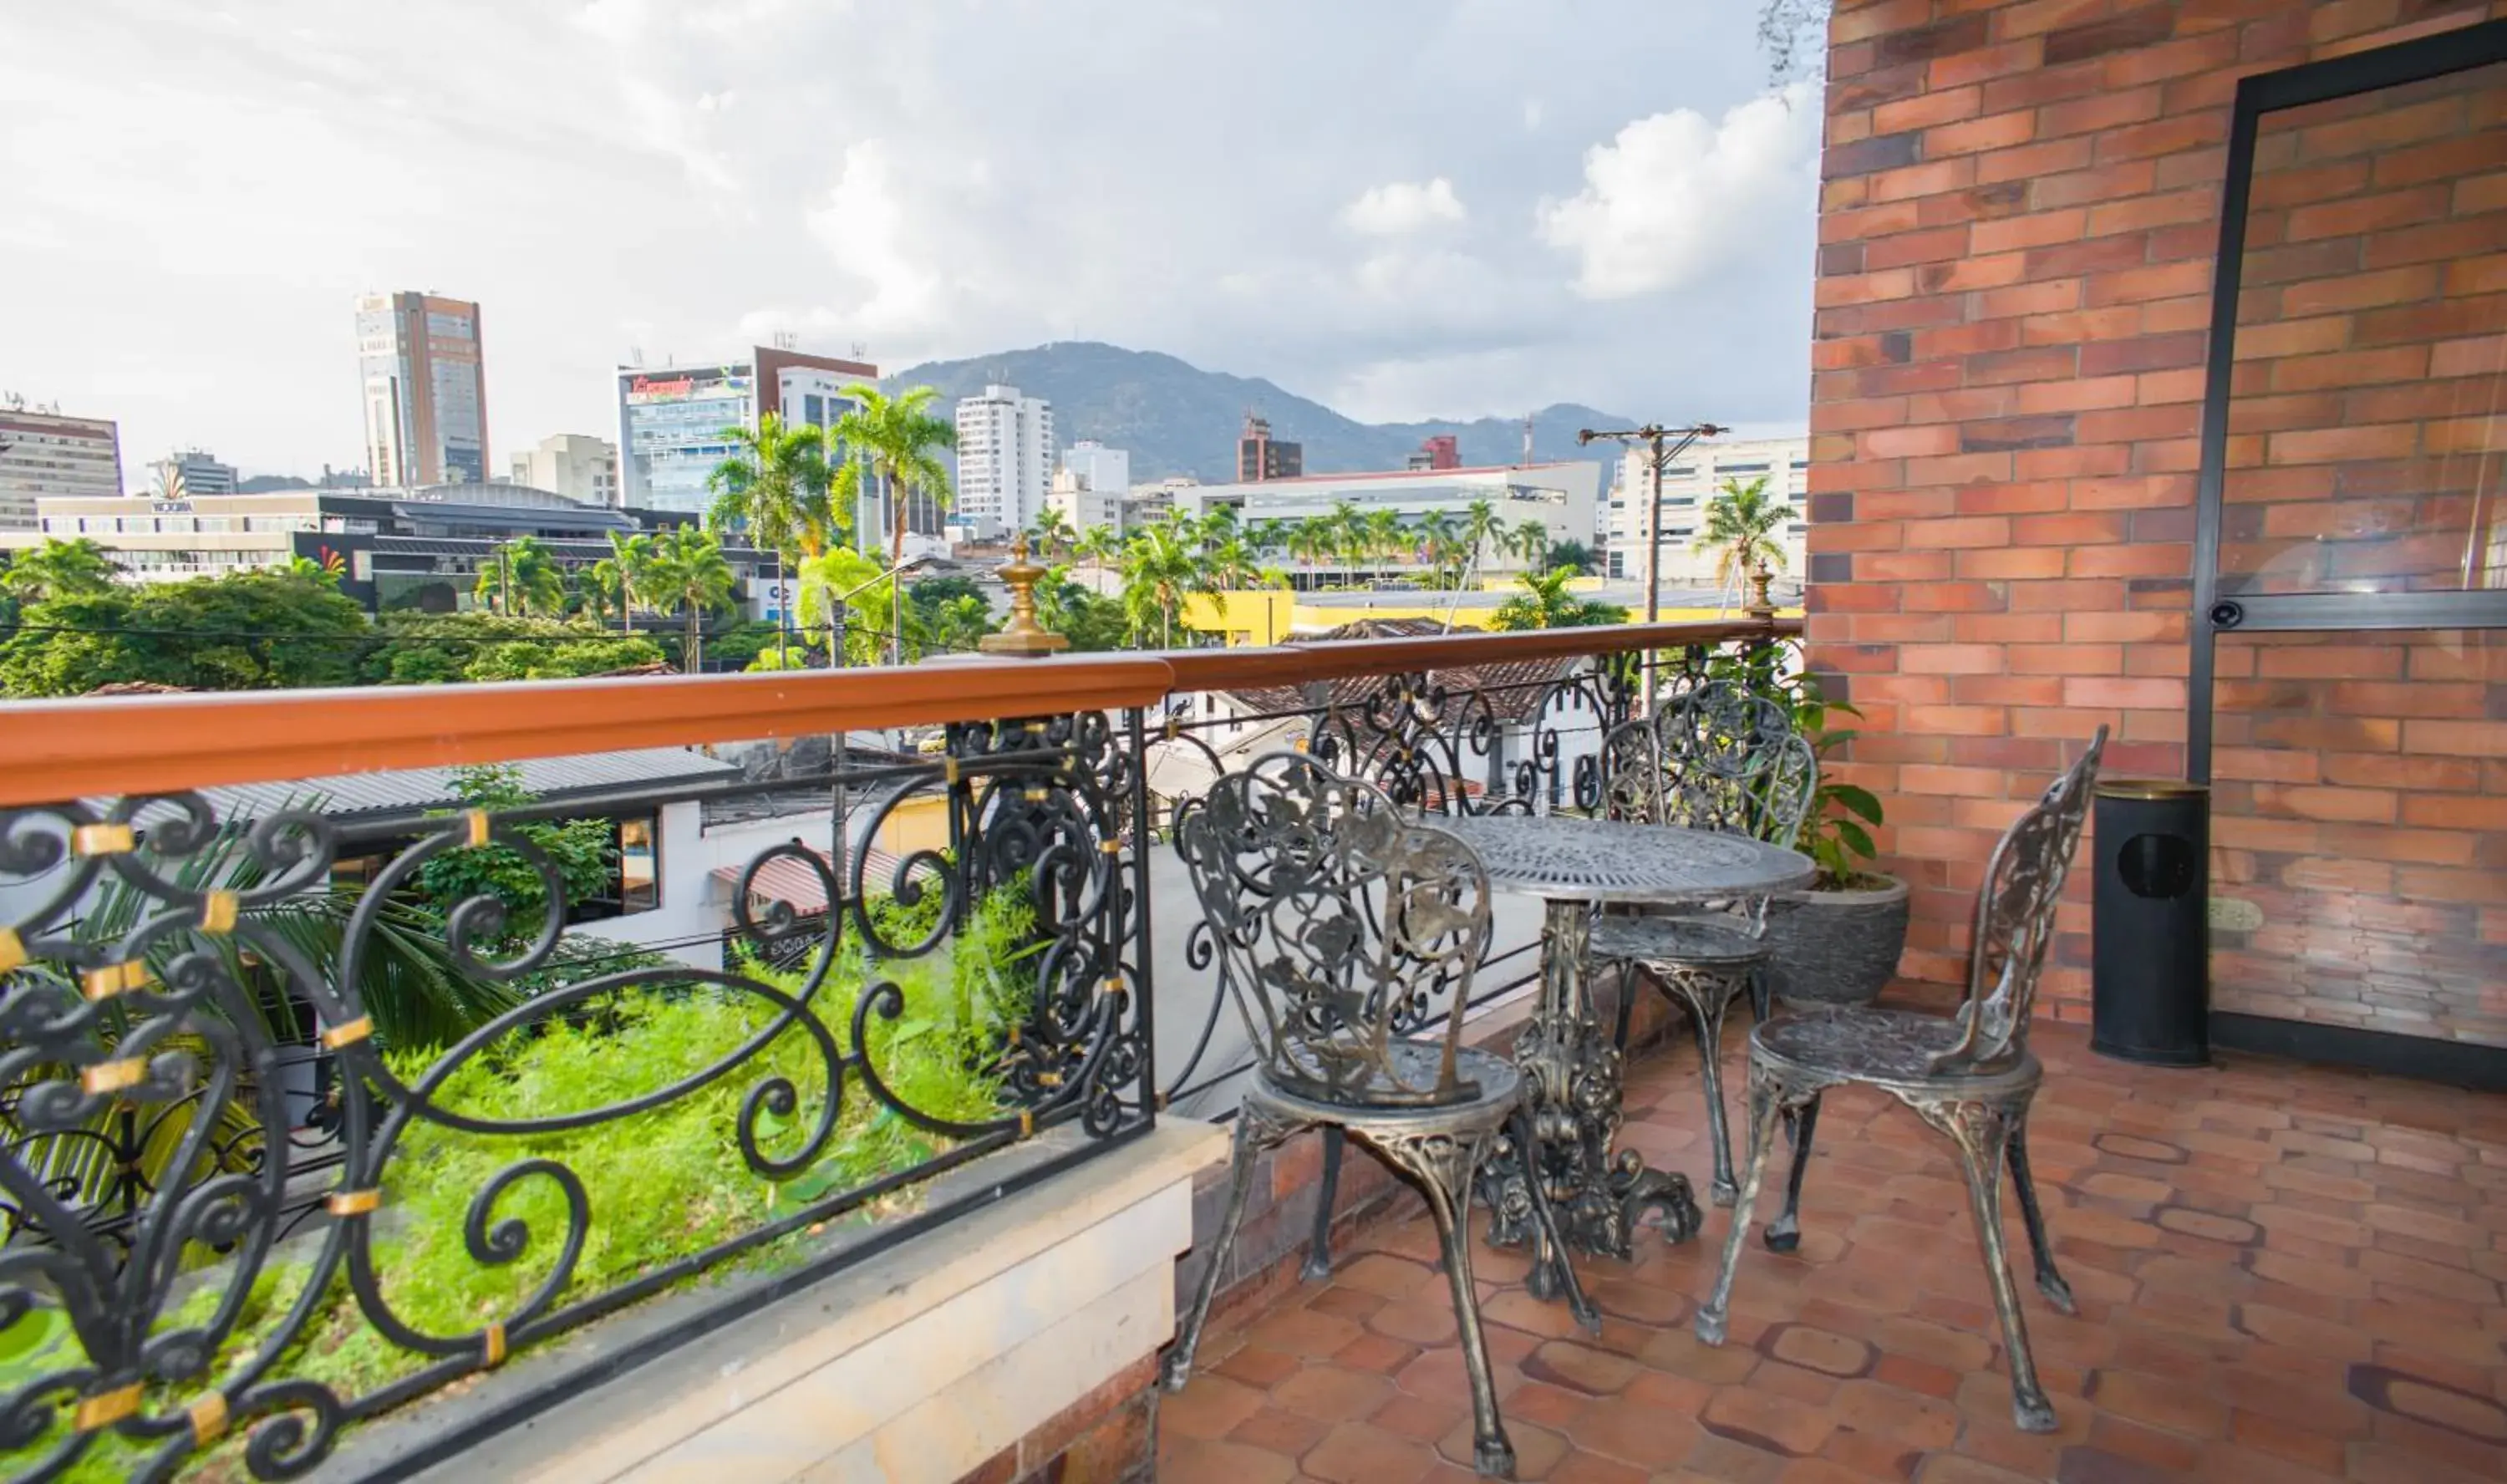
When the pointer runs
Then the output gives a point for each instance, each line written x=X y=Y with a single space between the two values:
x=790 y=880
x=418 y=790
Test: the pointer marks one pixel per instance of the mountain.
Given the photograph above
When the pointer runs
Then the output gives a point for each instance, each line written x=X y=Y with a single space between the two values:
x=1177 y=418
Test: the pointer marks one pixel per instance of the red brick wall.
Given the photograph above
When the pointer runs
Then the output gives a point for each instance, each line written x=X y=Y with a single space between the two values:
x=2018 y=219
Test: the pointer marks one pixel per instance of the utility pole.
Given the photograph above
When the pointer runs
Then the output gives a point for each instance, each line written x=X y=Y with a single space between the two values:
x=1661 y=450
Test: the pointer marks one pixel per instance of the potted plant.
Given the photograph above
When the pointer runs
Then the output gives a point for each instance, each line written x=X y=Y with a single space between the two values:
x=1837 y=941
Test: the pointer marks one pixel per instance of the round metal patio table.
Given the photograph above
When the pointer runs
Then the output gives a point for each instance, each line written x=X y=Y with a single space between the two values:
x=1571 y=1062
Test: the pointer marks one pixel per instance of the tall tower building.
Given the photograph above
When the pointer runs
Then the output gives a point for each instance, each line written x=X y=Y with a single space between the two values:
x=1259 y=456
x=425 y=389
x=1005 y=460
x=45 y=455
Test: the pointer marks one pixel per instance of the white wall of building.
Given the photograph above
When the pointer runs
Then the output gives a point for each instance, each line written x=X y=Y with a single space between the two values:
x=1564 y=496
x=1689 y=483
x=1005 y=456
x=575 y=465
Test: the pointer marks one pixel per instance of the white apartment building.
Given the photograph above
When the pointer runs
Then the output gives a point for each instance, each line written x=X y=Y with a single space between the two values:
x=1081 y=507
x=47 y=455
x=1689 y=483
x=1090 y=487
x=581 y=467
x=1004 y=461
x=197 y=473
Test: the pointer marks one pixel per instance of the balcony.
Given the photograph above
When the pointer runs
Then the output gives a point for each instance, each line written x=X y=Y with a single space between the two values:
x=413 y=1066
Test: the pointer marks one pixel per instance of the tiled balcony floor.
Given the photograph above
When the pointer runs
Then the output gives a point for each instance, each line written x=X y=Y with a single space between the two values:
x=2284 y=1273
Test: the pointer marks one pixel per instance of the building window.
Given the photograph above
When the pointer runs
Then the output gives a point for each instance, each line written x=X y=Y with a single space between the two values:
x=1758 y=468
x=639 y=863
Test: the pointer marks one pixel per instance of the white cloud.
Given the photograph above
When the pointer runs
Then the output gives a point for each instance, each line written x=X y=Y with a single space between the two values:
x=687 y=176
x=1673 y=199
x=1403 y=207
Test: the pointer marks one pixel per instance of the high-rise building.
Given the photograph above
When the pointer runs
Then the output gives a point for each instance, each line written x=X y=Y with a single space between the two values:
x=1689 y=484
x=1444 y=450
x=47 y=455
x=575 y=465
x=425 y=389
x=1005 y=460
x=1259 y=456
x=197 y=473
x=1104 y=470
x=670 y=419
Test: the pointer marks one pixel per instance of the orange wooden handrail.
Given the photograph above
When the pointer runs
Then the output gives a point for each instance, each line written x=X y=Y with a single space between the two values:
x=63 y=749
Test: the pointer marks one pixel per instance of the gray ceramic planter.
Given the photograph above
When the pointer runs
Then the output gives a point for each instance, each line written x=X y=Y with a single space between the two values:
x=1836 y=948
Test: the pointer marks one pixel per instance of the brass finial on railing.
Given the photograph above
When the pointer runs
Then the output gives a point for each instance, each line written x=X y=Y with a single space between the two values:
x=1022 y=635
x=1762 y=604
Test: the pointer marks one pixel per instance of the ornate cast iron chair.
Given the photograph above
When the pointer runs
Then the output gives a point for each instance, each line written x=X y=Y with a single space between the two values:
x=1345 y=933
x=1968 y=1076
x=1717 y=759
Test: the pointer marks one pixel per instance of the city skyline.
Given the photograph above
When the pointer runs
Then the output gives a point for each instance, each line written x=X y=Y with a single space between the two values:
x=1627 y=225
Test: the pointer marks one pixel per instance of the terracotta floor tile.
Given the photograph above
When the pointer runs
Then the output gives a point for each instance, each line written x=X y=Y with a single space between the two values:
x=1279 y=1430
x=2284 y=1274
x=1355 y=1453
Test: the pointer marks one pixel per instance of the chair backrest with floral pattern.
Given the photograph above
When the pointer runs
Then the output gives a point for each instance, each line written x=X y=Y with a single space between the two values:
x=2014 y=917
x=1343 y=929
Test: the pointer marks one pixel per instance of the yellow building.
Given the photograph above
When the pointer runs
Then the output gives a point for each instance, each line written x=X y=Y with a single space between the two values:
x=1275 y=617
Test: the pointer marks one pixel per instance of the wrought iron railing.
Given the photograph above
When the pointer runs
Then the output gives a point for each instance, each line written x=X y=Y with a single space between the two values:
x=227 y=1172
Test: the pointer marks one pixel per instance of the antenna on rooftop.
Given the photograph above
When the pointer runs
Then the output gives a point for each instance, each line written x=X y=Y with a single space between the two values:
x=861 y=350
x=636 y=356
x=1527 y=439
x=785 y=339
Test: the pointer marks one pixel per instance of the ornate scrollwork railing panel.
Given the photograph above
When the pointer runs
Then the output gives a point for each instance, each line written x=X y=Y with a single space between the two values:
x=202 y=1220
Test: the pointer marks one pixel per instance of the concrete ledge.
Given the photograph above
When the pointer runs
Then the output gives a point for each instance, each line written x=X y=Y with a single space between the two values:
x=921 y=1363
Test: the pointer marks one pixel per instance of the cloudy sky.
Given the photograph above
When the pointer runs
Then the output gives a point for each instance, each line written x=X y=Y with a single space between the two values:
x=1401 y=207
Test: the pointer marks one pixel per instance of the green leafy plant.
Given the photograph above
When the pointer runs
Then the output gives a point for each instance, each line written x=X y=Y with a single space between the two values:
x=1835 y=832
x=582 y=851
x=660 y=1185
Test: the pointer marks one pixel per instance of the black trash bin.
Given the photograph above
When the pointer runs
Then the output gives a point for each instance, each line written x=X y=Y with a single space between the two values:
x=2151 y=963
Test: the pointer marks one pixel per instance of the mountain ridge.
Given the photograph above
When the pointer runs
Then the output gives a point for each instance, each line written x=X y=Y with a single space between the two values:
x=1174 y=417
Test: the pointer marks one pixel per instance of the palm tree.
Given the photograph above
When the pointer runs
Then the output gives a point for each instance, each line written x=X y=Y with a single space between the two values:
x=689 y=572
x=894 y=441
x=1052 y=533
x=1436 y=530
x=58 y=570
x=603 y=586
x=1384 y=534
x=522 y=579
x=1739 y=528
x=1532 y=544
x=1349 y=533
x=1546 y=603
x=1268 y=535
x=774 y=486
x=1160 y=570
x=632 y=558
x=1099 y=544
x=1480 y=523
x=1310 y=540
x=960 y=622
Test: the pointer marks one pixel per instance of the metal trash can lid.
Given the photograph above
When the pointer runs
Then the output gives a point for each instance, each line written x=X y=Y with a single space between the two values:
x=2151 y=788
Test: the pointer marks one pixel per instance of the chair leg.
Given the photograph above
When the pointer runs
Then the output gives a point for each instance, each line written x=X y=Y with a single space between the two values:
x=1327 y=1195
x=1629 y=987
x=2050 y=1282
x=1784 y=1233
x=1982 y=1132
x=1254 y=1133
x=1708 y=996
x=1443 y=1165
x=1763 y=1132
